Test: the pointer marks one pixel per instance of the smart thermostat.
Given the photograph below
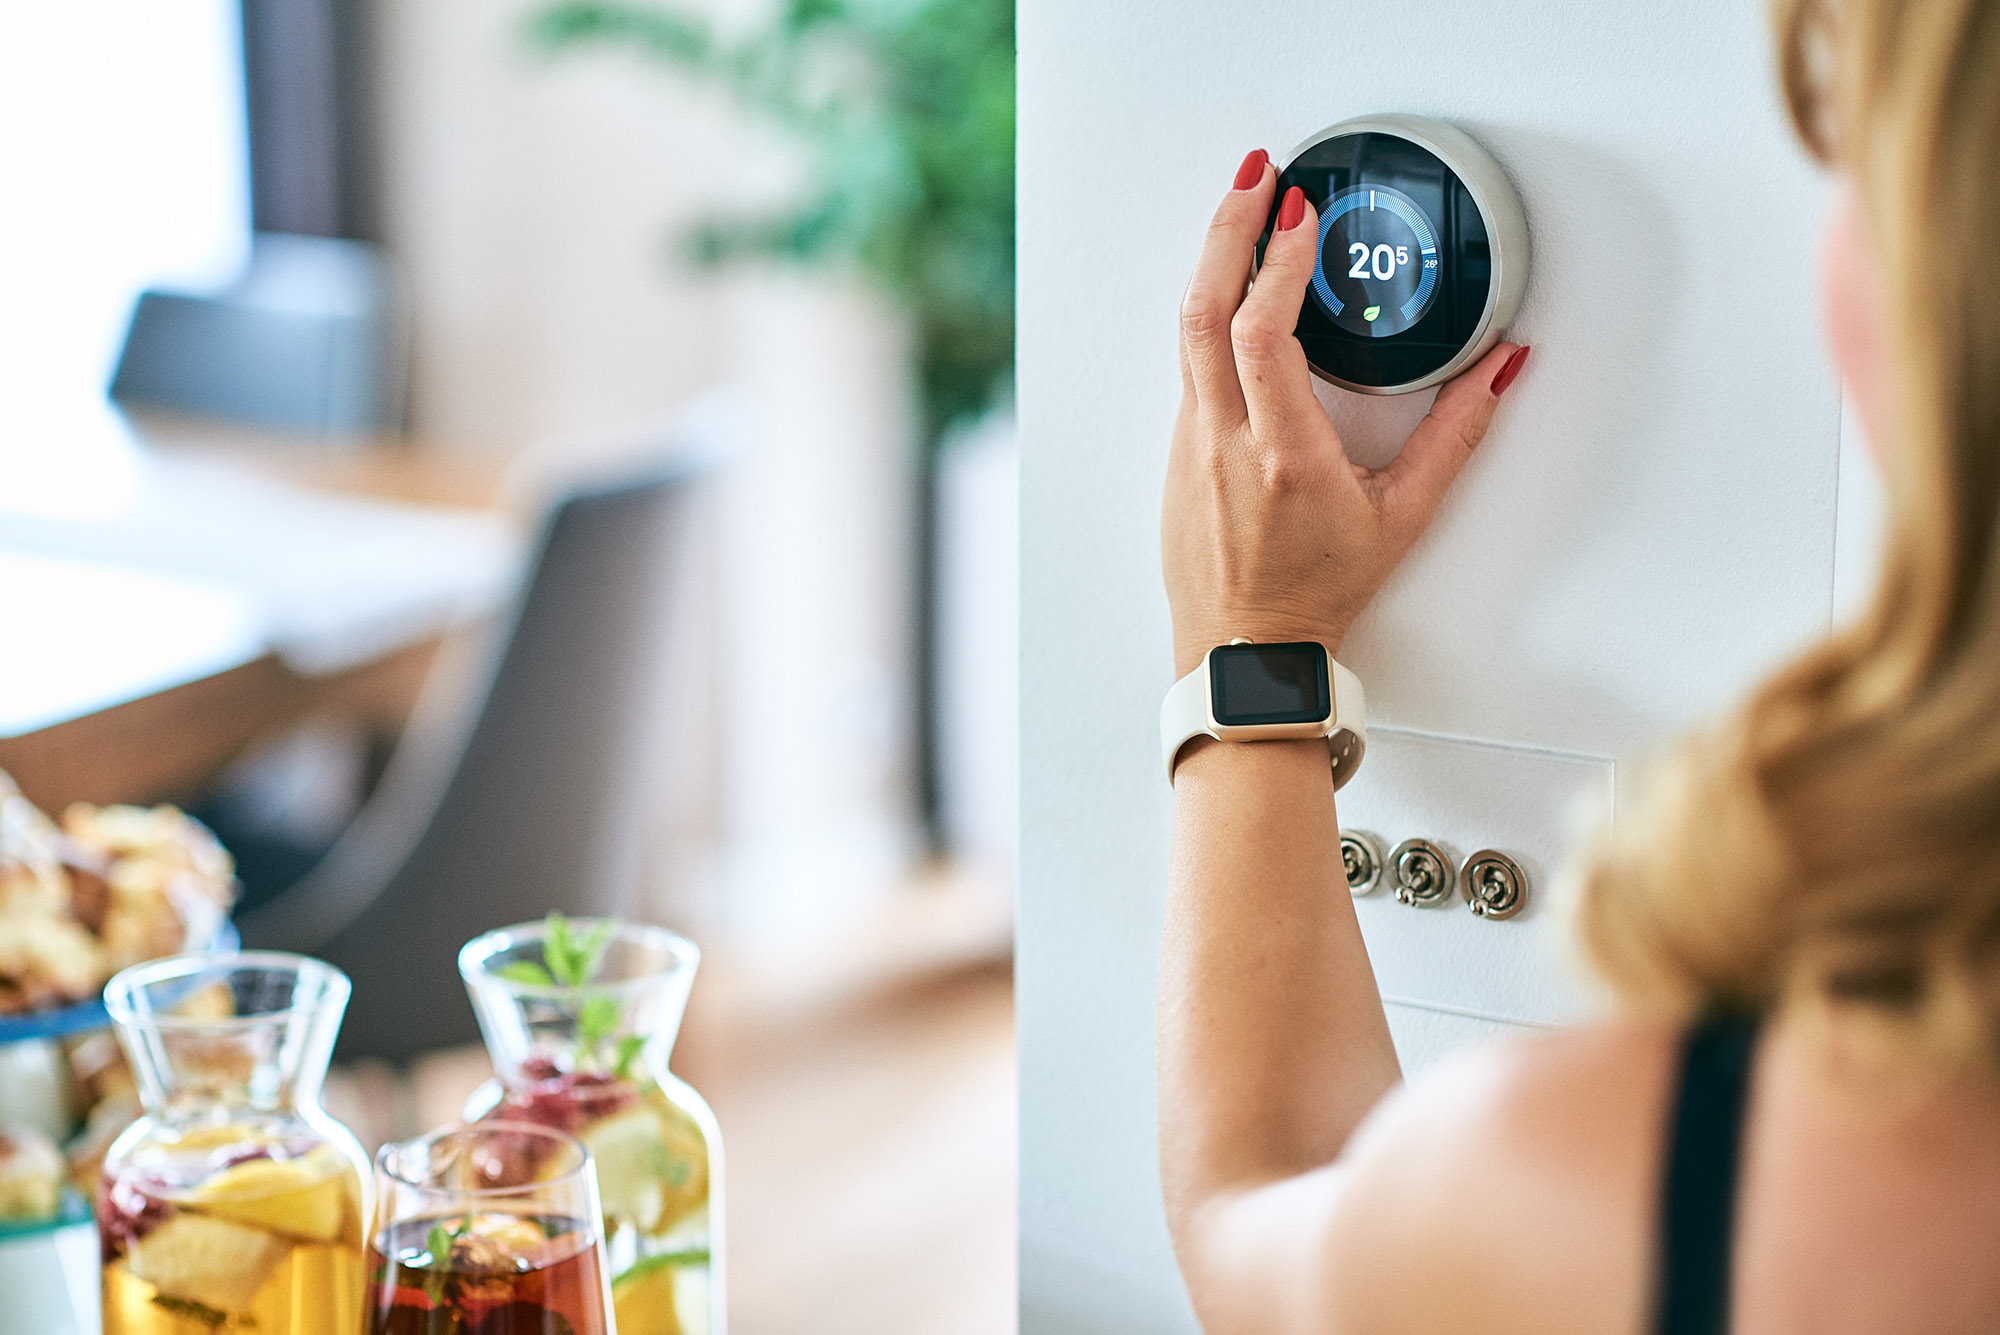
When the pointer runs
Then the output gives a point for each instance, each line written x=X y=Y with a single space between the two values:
x=1423 y=252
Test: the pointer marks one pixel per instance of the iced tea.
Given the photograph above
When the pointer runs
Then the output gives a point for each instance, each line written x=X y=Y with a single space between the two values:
x=487 y=1274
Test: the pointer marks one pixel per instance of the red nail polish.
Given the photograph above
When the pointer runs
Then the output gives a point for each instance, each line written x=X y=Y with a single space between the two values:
x=1507 y=372
x=1252 y=170
x=1293 y=211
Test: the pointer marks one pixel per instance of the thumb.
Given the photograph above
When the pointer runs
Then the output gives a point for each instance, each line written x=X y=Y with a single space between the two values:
x=1442 y=444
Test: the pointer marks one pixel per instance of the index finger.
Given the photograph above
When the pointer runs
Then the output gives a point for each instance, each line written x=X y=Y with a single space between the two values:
x=1215 y=291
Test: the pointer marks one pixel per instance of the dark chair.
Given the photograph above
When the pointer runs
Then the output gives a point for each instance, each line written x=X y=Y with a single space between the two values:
x=538 y=799
x=309 y=338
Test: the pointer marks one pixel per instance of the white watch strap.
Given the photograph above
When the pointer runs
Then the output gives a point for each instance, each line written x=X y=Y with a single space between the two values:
x=1185 y=715
x=1188 y=713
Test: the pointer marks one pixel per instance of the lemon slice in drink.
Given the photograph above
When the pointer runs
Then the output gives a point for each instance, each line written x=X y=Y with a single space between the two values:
x=214 y=1262
x=642 y=1299
x=293 y=1196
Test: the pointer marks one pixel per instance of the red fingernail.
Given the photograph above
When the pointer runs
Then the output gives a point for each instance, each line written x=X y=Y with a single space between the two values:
x=1293 y=211
x=1252 y=170
x=1509 y=371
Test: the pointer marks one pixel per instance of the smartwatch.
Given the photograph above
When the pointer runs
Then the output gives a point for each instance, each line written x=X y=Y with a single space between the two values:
x=1245 y=692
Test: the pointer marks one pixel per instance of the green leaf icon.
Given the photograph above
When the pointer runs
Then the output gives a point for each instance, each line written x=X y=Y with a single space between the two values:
x=1370 y=314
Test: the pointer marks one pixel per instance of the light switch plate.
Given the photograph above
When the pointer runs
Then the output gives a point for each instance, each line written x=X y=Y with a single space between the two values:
x=1423 y=1035
x=1468 y=795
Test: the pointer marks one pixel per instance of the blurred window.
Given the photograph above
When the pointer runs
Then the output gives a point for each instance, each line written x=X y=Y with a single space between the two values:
x=123 y=162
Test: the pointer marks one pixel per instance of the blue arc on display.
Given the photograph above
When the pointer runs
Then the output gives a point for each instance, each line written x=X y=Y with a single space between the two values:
x=1395 y=202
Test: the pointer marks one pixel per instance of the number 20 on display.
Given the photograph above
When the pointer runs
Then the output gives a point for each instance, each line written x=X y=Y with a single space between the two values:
x=1382 y=262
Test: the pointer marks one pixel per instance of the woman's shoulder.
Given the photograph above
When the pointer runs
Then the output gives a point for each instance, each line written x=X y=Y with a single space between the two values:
x=1513 y=1177
x=1585 y=1097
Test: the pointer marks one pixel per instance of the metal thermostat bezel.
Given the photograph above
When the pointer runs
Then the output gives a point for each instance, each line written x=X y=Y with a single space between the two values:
x=1500 y=209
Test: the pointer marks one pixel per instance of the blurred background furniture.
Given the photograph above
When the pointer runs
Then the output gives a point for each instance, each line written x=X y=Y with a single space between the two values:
x=215 y=595
x=309 y=338
x=538 y=800
x=175 y=606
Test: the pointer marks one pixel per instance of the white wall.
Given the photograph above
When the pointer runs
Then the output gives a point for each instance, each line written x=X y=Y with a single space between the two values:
x=536 y=201
x=533 y=200
x=1649 y=525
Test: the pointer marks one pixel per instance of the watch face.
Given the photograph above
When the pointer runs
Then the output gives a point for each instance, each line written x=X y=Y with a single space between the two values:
x=1405 y=264
x=1251 y=685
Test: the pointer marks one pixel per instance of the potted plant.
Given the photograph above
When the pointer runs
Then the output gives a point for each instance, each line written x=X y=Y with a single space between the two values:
x=905 y=112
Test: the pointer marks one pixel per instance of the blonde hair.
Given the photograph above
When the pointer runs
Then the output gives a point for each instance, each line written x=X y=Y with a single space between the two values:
x=1839 y=835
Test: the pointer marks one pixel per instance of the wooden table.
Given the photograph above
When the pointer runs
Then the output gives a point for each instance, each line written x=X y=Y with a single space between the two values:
x=169 y=744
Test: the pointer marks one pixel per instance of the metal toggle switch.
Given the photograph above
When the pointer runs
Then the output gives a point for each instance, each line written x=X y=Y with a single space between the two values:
x=1421 y=872
x=1361 y=854
x=1493 y=884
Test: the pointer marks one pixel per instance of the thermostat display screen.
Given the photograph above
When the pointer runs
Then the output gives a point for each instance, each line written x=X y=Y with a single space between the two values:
x=1405 y=267
x=1378 y=261
x=1254 y=684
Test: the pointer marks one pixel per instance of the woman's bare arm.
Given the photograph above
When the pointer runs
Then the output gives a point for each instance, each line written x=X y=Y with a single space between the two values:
x=1272 y=1040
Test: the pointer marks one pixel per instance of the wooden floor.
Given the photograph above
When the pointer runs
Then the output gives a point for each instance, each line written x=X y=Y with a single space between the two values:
x=871 y=1164
x=869 y=1132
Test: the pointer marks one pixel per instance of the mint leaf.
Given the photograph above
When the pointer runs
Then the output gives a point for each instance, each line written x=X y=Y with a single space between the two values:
x=559 y=951
x=596 y=1018
x=438 y=1244
x=573 y=960
x=527 y=971
x=590 y=950
x=646 y=1265
x=629 y=1047
x=192 y=1310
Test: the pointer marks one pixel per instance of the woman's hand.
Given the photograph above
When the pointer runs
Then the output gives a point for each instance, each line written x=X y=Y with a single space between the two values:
x=1269 y=531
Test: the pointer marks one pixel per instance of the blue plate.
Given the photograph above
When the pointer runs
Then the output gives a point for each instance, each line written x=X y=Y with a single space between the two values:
x=73 y=1210
x=86 y=1015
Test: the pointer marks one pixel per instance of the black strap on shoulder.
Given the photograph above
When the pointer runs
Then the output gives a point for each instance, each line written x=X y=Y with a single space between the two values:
x=1698 y=1208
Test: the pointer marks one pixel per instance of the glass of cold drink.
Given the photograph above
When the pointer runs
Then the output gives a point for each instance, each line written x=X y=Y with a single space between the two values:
x=489 y=1229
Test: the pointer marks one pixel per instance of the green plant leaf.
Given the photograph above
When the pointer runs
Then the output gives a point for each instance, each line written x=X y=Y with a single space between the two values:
x=438 y=1244
x=192 y=1310
x=906 y=113
x=590 y=950
x=646 y=1265
x=526 y=971
x=596 y=1019
x=559 y=949
x=629 y=1047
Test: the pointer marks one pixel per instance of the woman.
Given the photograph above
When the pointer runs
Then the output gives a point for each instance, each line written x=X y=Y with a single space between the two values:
x=1803 y=924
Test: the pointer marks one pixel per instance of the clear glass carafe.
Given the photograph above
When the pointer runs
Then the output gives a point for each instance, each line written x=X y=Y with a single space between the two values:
x=580 y=1019
x=235 y=1203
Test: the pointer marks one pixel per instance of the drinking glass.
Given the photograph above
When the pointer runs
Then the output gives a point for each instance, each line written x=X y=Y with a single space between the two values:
x=491 y=1229
x=235 y=1203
